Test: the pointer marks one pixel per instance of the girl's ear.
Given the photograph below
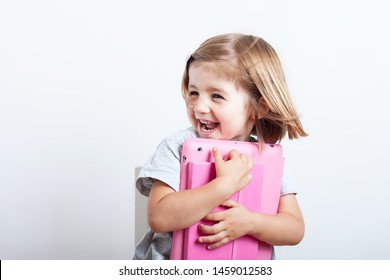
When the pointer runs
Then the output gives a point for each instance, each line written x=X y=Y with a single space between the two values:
x=264 y=108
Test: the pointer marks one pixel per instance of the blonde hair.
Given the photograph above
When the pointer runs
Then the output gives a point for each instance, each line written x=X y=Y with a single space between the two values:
x=253 y=65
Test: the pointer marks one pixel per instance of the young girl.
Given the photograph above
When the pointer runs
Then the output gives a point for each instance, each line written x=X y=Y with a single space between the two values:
x=234 y=89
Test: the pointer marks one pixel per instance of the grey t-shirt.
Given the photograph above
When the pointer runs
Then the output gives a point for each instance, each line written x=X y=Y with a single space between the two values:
x=164 y=166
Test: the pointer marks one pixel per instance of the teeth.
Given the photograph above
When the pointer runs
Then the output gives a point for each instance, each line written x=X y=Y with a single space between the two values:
x=208 y=125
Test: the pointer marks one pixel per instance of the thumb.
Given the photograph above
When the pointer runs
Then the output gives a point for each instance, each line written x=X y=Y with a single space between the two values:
x=230 y=203
x=217 y=155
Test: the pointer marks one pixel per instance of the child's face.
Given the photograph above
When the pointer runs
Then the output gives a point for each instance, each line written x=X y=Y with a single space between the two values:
x=216 y=108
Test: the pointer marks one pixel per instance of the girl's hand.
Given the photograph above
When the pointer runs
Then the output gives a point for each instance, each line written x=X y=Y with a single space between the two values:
x=234 y=169
x=230 y=225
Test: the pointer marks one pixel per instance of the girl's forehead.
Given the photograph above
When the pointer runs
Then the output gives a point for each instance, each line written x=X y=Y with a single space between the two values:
x=220 y=69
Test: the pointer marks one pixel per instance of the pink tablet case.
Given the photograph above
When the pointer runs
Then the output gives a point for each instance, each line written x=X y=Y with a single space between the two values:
x=260 y=195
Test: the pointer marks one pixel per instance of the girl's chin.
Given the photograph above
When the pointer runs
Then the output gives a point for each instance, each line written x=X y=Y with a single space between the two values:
x=208 y=134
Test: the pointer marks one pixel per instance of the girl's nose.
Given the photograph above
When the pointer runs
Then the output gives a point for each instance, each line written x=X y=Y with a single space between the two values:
x=201 y=108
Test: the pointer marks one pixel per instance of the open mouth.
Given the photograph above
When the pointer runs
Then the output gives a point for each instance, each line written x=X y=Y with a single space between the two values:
x=207 y=125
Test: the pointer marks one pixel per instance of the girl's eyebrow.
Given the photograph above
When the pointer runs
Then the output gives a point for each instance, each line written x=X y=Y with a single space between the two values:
x=217 y=90
x=208 y=89
x=211 y=89
x=192 y=86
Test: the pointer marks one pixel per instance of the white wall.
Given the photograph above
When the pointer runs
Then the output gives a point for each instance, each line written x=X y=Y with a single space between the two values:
x=89 y=88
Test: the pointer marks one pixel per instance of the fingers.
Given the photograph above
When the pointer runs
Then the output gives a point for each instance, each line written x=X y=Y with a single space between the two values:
x=250 y=163
x=230 y=203
x=223 y=229
x=214 y=216
x=233 y=154
x=210 y=230
x=215 y=236
x=246 y=160
x=219 y=243
x=234 y=168
x=217 y=155
x=216 y=240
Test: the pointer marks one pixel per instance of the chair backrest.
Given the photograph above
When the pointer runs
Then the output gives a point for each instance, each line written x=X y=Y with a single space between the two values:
x=141 y=222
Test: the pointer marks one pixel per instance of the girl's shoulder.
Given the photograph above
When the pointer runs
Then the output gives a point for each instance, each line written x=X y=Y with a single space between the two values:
x=179 y=136
x=173 y=143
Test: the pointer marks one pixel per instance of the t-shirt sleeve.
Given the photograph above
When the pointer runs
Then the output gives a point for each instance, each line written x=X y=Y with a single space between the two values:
x=288 y=186
x=164 y=166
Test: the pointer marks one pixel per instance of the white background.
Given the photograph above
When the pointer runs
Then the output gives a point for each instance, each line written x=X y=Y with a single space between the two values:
x=89 y=88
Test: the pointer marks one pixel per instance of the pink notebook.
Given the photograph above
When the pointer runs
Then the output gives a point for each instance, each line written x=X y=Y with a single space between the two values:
x=260 y=195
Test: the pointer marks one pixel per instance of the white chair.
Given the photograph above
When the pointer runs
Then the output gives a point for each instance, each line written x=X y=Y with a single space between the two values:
x=141 y=222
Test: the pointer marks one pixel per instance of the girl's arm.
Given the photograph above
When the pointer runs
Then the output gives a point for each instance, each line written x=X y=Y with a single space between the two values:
x=285 y=228
x=169 y=210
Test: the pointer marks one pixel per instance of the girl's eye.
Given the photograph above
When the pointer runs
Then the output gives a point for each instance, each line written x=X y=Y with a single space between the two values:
x=217 y=96
x=194 y=93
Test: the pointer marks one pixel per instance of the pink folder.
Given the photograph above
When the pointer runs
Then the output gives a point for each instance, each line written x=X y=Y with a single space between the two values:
x=260 y=195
